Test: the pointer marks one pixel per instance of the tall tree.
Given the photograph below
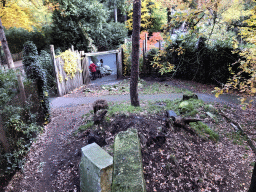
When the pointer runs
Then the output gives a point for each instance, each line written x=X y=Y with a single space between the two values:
x=135 y=53
x=153 y=16
x=5 y=46
x=253 y=180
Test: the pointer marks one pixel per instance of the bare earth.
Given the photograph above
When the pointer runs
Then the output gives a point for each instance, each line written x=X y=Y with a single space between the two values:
x=173 y=159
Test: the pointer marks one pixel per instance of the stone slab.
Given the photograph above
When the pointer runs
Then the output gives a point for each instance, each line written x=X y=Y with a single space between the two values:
x=96 y=169
x=128 y=171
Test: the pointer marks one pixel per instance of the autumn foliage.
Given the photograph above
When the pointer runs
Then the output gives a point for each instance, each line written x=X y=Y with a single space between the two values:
x=151 y=42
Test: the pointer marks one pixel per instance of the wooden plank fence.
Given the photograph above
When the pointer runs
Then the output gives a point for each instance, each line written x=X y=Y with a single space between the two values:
x=66 y=84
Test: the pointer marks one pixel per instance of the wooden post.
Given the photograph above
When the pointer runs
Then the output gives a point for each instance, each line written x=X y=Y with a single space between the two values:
x=146 y=42
x=85 y=67
x=144 y=56
x=21 y=88
x=119 y=63
x=159 y=44
x=55 y=70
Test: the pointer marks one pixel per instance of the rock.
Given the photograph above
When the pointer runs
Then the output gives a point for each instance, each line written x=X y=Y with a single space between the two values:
x=96 y=168
x=187 y=97
x=128 y=171
x=171 y=114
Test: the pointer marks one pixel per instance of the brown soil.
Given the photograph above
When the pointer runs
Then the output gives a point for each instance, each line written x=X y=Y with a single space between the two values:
x=173 y=159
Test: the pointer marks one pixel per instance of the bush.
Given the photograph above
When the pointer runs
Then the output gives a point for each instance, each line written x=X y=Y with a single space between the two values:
x=35 y=72
x=16 y=37
x=111 y=36
x=47 y=65
x=205 y=63
x=18 y=121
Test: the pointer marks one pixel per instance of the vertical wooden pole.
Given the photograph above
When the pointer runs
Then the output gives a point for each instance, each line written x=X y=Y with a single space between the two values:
x=146 y=42
x=55 y=70
x=159 y=44
x=144 y=56
x=85 y=65
x=119 y=63
x=21 y=88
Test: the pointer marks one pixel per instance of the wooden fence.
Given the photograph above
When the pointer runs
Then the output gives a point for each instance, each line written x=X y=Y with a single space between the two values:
x=66 y=84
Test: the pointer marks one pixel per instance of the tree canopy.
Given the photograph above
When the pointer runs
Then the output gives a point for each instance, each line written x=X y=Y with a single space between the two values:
x=84 y=25
x=153 y=16
x=25 y=14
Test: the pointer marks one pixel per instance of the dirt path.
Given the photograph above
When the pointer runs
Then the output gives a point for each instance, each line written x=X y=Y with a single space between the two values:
x=52 y=153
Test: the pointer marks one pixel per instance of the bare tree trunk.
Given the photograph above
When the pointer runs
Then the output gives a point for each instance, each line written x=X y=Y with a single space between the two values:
x=5 y=47
x=3 y=137
x=115 y=12
x=135 y=53
x=253 y=180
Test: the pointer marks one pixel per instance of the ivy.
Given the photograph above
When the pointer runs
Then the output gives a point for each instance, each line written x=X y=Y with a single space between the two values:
x=36 y=73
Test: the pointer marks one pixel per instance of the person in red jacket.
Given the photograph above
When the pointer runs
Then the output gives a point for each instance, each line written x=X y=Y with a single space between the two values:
x=92 y=68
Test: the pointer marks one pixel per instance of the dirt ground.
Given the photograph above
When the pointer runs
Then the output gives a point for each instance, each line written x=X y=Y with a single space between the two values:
x=173 y=159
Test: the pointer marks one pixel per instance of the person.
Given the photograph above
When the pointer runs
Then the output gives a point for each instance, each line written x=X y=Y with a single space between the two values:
x=98 y=72
x=92 y=68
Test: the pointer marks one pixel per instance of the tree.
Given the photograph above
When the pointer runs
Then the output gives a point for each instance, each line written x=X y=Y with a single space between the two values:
x=153 y=16
x=5 y=46
x=76 y=22
x=253 y=180
x=247 y=65
x=19 y=14
x=25 y=14
x=135 y=53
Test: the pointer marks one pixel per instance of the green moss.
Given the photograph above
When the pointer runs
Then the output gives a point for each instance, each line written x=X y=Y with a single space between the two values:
x=86 y=126
x=204 y=130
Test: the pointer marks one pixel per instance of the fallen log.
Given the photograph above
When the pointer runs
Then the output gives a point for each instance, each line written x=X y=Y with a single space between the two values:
x=249 y=141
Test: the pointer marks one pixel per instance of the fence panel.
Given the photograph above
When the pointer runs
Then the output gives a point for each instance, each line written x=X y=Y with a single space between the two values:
x=67 y=83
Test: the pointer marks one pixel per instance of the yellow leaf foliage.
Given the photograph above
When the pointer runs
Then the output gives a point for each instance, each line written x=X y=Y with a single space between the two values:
x=148 y=10
x=25 y=14
x=15 y=16
x=70 y=63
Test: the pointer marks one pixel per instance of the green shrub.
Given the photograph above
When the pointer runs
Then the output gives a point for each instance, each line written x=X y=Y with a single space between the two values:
x=47 y=65
x=19 y=121
x=18 y=36
x=209 y=64
x=111 y=36
x=36 y=73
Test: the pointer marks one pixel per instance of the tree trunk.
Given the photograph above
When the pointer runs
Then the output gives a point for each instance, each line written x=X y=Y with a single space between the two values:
x=5 y=47
x=135 y=53
x=3 y=137
x=253 y=181
x=115 y=13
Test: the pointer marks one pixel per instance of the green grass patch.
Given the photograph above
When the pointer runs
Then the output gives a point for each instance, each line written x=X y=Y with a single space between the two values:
x=204 y=130
x=237 y=138
x=144 y=88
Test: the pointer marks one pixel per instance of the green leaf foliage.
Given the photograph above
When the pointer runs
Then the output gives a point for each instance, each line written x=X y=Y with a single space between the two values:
x=35 y=72
x=84 y=25
x=16 y=37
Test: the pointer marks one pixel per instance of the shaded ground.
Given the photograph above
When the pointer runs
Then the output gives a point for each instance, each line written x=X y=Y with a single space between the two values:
x=173 y=159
